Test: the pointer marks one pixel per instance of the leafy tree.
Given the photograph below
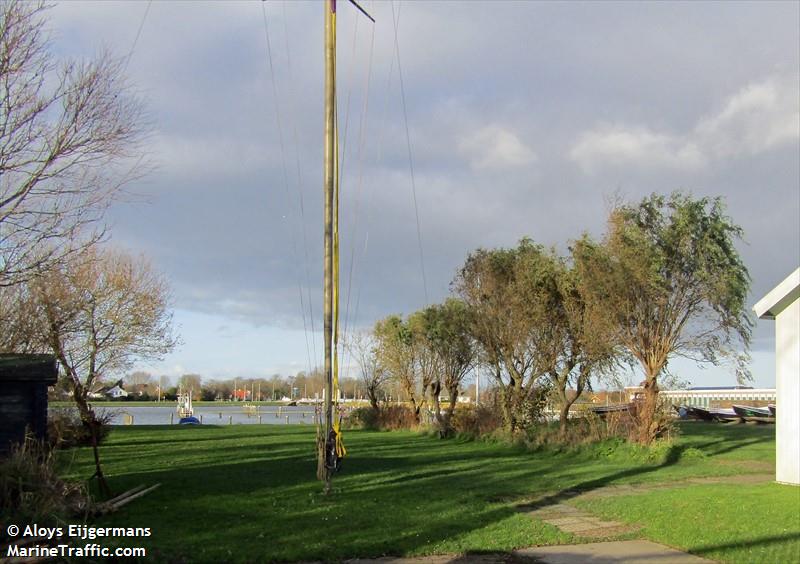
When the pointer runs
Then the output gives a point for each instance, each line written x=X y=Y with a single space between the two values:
x=575 y=344
x=447 y=330
x=500 y=287
x=70 y=138
x=397 y=354
x=98 y=313
x=670 y=282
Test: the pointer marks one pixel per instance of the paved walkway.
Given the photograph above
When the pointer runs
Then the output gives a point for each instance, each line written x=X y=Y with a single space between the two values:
x=552 y=510
x=618 y=552
x=629 y=552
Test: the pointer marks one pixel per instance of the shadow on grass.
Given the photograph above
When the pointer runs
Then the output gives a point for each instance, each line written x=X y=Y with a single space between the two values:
x=673 y=456
x=774 y=540
x=402 y=494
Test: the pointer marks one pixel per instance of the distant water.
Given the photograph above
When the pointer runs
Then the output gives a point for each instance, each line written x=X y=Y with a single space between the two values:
x=211 y=414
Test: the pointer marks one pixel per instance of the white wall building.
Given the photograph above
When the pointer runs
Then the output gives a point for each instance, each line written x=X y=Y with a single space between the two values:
x=715 y=397
x=783 y=305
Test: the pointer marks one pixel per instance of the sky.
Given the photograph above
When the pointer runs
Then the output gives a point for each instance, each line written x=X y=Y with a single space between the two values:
x=462 y=125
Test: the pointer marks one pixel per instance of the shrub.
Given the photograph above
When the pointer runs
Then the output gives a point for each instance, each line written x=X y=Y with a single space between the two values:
x=387 y=418
x=66 y=430
x=476 y=422
x=32 y=492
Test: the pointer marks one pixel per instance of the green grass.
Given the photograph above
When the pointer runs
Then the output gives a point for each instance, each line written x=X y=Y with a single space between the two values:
x=249 y=493
x=724 y=522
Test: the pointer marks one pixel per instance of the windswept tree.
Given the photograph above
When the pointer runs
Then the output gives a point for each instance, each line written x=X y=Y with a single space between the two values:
x=580 y=345
x=99 y=313
x=364 y=350
x=448 y=335
x=396 y=353
x=500 y=288
x=668 y=278
x=70 y=138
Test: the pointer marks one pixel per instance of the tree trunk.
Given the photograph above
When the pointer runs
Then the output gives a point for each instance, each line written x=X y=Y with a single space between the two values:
x=372 y=393
x=646 y=410
x=90 y=422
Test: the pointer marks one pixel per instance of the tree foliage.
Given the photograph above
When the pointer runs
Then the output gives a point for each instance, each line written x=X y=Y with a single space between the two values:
x=504 y=290
x=669 y=281
x=98 y=313
x=446 y=331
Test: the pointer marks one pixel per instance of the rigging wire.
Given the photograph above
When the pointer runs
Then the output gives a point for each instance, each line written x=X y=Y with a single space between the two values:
x=395 y=21
x=138 y=34
x=307 y=262
x=341 y=169
x=378 y=157
x=285 y=173
x=359 y=186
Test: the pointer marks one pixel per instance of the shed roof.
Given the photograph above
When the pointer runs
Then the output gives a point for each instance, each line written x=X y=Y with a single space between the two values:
x=779 y=297
x=33 y=367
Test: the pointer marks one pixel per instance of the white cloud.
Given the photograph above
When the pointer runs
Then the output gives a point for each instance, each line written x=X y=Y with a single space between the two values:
x=760 y=117
x=494 y=146
x=612 y=145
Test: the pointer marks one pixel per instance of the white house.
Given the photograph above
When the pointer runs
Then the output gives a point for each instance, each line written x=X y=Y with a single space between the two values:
x=783 y=305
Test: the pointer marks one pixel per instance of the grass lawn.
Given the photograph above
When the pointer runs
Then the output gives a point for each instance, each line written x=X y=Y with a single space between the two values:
x=249 y=493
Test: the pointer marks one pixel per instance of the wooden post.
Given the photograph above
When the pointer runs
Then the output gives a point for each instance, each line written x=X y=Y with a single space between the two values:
x=329 y=179
x=172 y=418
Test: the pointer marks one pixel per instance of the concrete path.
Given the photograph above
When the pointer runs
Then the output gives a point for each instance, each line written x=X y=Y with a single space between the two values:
x=629 y=552
x=618 y=552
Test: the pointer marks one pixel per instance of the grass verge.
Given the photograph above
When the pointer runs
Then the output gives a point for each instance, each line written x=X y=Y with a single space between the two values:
x=248 y=492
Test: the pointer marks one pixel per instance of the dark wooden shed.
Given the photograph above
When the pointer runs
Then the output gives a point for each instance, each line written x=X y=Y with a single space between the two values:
x=24 y=379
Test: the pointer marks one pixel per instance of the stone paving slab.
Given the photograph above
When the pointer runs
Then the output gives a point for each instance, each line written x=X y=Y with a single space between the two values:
x=629 y=552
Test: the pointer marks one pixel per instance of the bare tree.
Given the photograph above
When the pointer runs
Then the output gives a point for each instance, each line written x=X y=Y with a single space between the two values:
x=364 y=349
x=70 y=138
x=99 y=313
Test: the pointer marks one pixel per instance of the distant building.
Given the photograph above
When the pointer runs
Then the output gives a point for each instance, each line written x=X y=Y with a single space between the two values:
x=114 y=392
x=720 y=396
x=782 y=304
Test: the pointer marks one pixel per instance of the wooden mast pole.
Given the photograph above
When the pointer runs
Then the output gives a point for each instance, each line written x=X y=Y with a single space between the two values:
x=329 y=180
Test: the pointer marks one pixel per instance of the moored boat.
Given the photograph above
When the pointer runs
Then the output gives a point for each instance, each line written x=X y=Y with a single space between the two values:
x=603 y=410
x=752 y=411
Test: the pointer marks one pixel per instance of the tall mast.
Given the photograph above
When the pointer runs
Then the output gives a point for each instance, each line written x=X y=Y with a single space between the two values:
x=331 y=450
x=329 y=186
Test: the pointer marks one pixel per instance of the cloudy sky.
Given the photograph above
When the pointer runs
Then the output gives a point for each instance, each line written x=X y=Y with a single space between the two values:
x=524 y=118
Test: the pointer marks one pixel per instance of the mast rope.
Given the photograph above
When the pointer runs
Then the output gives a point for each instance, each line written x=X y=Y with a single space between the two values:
x=285 y=176
x=378 y=157
x=300 y=185
x=395 y=20
x=138 y=34
x=359 y=185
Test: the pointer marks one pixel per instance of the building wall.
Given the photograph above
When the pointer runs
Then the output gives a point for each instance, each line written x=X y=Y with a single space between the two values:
x=787 y=355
